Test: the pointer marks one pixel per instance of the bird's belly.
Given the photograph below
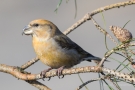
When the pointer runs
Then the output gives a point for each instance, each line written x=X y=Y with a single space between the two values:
x=58 y=58
x=55 y=56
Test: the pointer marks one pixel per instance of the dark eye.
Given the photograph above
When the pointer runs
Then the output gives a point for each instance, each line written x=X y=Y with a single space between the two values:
x=35 y=25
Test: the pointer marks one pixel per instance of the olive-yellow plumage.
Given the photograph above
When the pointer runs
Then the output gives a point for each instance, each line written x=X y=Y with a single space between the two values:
x=54 y=48
x=51 y=58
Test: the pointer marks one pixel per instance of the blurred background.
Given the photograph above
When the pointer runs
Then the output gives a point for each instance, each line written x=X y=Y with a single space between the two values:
x=16 y=49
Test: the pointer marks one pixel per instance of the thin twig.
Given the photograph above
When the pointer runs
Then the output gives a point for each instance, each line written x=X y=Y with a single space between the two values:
x=114 y=84
x=119 y=47
x=84 y=84
x=132 y=52
x=97 y=79
x=103 y=31
x=29 y=63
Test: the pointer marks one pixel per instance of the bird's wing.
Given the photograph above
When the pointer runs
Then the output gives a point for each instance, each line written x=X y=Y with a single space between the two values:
x=67 y=43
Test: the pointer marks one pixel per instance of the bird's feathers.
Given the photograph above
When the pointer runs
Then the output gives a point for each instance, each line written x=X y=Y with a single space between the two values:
x=53 y=47
x=67 y=43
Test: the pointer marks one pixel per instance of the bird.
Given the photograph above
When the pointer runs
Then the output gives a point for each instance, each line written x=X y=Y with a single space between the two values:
x=123 y=35
x=54 y=48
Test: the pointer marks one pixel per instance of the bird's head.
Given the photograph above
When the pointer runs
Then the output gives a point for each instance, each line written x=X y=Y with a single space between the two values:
x=41 y=28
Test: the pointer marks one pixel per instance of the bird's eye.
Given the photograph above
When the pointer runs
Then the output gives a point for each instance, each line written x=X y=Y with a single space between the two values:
x=36 y=25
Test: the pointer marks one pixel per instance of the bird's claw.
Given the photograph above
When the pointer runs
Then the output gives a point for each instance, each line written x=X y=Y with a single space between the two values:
x=49 y=78
x=43 y=73
x=59 y=72
x=61 y=77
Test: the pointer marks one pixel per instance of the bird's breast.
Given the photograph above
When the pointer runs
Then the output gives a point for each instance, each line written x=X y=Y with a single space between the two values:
x=51 y=54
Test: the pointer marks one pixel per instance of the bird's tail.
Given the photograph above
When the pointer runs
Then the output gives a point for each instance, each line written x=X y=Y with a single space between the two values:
x=95 y=59
x=92 y=58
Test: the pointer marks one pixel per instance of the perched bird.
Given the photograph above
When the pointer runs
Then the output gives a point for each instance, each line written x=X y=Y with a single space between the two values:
x=121 y=34
x=54 y=48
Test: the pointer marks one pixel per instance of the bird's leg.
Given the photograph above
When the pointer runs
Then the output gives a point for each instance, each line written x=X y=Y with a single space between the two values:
x=42 y=74
x=59 y=71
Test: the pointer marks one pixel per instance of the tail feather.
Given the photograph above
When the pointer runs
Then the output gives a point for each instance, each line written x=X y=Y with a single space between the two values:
x=95 y=59
x=92 y=58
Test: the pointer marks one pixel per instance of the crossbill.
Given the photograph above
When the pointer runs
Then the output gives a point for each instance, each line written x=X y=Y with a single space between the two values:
x=54 y=48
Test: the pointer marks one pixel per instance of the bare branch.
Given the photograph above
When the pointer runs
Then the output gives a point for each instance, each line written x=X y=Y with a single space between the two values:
x=88 y=15
x=117 y=5
x=16 y=72
x=20 y=74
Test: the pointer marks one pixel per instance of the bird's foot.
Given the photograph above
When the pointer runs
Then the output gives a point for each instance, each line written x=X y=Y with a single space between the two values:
x=43 y=73
x=59 y=72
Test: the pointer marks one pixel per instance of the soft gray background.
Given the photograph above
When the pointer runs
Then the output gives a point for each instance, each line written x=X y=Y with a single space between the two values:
x=16 y=49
